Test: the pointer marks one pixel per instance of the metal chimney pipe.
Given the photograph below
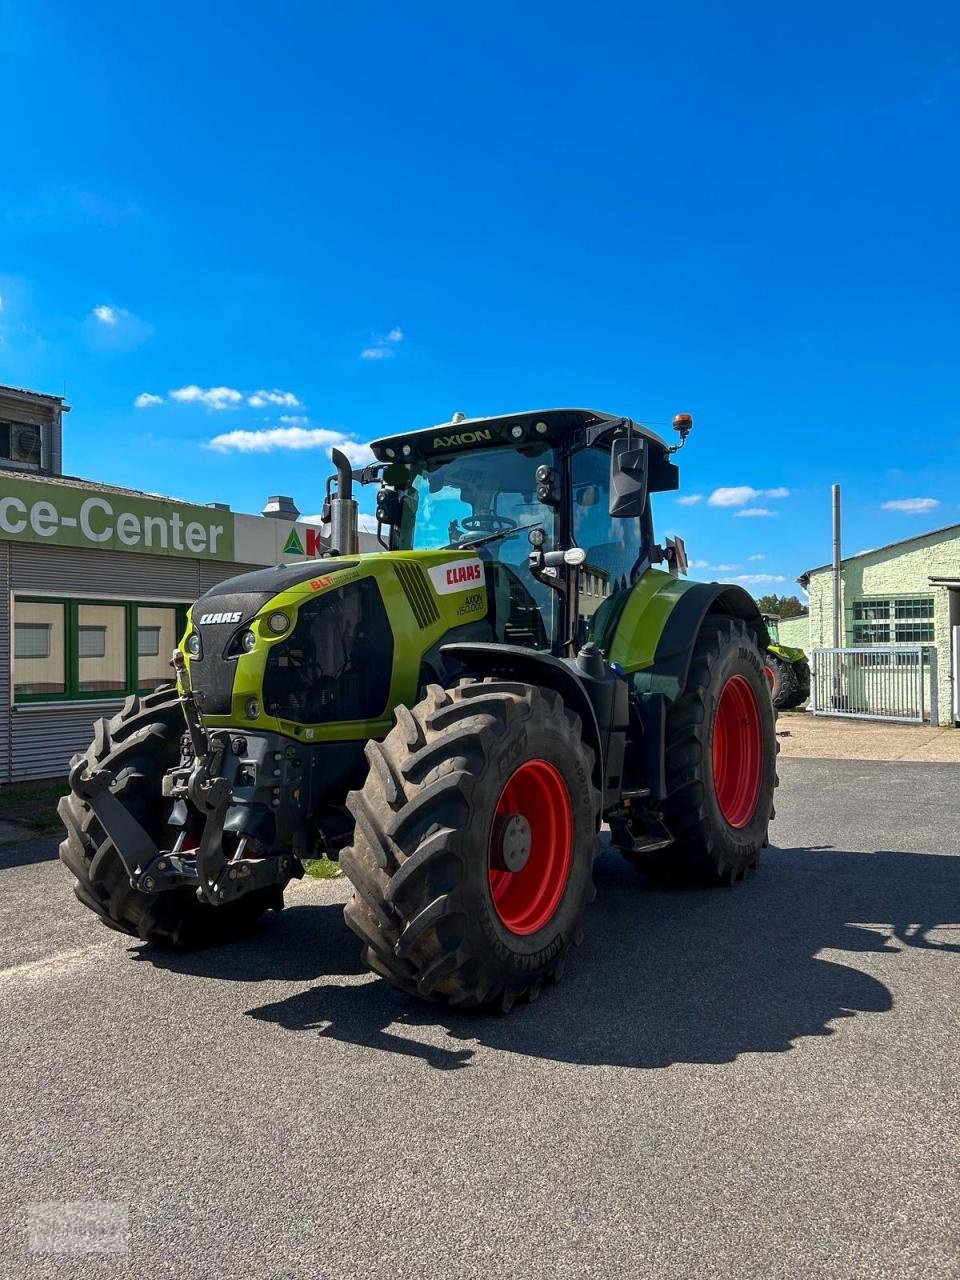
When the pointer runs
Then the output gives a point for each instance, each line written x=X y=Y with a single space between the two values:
x=344 y=535
x=837 y=601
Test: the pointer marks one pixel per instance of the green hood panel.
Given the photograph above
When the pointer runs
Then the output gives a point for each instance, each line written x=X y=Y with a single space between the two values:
x=426 y=595
x=787 y=652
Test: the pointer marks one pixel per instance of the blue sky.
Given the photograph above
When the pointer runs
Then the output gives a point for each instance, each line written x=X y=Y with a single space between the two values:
x=373 y=215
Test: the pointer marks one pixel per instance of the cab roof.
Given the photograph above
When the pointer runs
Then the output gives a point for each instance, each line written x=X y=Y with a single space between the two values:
x=526 y=427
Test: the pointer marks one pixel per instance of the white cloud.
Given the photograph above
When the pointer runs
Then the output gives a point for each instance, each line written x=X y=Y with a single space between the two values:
x=755 y=511
x=113 y=329
x=733 y=497
x=382 y=347
x=146 y=400
x=759 y=579
x=690 y=499
x=285 y=398
x=212 y=397
x=714 y=568
x=737 y=495
x=270 y=439
x=295 y=419
x=758 y=556
x=1 y=301
x=912 y=506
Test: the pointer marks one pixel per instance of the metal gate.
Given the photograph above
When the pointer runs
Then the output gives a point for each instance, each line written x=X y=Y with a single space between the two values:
x=895 y=682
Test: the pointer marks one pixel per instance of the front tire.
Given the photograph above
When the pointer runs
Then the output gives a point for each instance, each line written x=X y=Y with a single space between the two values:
x=721 y=753
x=138 y=746
x=476 y=831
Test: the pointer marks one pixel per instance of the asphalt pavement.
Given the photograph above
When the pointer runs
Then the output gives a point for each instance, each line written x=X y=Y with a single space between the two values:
x=759 y=1081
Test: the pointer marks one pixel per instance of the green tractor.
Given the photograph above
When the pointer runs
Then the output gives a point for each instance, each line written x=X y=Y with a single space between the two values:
x=787 y=669
x=453 y=717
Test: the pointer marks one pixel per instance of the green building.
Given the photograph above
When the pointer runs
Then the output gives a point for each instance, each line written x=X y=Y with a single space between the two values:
x=904 y=594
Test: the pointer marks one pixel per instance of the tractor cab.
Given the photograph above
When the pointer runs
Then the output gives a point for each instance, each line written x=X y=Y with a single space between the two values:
x=773 y=626
x=555 y=504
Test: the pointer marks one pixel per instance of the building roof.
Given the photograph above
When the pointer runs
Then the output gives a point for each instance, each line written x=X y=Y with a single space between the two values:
x=23 y=393
x=887 y=546
x=78 y=482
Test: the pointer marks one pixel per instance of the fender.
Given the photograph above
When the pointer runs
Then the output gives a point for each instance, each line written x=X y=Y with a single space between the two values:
x=653 y=641
x=532 y=666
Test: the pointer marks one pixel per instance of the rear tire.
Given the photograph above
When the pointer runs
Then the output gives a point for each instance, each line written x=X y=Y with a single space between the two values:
x=438 y=912
x=784 y=688
x=138 y=746
x=802 y=671
x=721 y=753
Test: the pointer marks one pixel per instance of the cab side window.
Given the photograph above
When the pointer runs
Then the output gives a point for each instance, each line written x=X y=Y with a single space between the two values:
x=612 y=544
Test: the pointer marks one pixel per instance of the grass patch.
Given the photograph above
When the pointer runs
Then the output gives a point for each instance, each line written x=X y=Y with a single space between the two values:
x=322 y=869
x=33 y=806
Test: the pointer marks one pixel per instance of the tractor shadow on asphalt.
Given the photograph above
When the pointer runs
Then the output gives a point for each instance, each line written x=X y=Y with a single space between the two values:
x=667 y=976
x=298 y=945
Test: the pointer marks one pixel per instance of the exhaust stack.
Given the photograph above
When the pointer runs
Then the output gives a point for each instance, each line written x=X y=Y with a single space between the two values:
x=344 y=536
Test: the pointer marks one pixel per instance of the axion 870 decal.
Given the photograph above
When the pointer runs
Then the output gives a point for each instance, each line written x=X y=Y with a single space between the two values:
x=456 y=575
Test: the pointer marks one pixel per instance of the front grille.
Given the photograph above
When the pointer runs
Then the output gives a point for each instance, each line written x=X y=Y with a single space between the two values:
x=212 y=674
x=337 y=663
x=419 y=593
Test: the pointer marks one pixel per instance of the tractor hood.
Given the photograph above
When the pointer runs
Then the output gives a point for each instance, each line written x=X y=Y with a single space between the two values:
x=324 y=650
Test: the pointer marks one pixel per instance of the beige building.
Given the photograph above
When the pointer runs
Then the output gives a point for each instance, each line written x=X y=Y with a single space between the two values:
x=904 y=594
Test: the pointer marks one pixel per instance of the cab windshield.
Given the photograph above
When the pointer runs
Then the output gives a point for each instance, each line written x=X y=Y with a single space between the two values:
x=460 y=502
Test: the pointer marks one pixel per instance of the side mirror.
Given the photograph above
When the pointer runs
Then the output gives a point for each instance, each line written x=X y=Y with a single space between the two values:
x=628 y=478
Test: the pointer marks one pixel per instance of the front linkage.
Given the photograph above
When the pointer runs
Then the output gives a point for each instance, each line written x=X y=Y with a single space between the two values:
x=217 y=878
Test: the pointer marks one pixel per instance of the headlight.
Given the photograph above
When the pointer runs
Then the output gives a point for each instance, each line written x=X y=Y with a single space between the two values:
x=193 y=644
x=278 y=623
x=252 y=709
x=248 y=642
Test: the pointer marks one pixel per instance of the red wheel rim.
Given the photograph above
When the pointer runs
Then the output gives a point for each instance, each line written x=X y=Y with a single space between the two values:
x=525 y=900
x=771 y=675
x=737 y=752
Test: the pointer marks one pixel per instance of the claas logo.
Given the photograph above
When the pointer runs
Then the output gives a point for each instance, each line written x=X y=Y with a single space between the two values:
x=459 y=573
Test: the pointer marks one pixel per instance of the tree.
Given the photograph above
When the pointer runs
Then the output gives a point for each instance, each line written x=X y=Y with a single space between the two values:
x=782 y=606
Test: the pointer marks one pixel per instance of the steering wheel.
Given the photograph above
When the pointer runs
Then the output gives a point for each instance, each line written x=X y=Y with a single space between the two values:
x=490 y=522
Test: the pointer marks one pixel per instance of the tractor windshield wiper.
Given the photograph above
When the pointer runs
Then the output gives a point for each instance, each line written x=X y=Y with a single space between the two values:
x=492 y=537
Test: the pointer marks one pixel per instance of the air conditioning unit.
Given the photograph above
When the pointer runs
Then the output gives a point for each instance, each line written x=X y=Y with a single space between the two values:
x=25 y=445
x=20 y=444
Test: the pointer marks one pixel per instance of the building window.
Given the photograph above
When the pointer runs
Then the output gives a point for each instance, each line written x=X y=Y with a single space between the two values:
x=92 y=642
x=66 y=649
x=39 y=649
x=903 y=620
x=31 y=640
x=148 y=642
x=158 y=631
x=101 y=659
